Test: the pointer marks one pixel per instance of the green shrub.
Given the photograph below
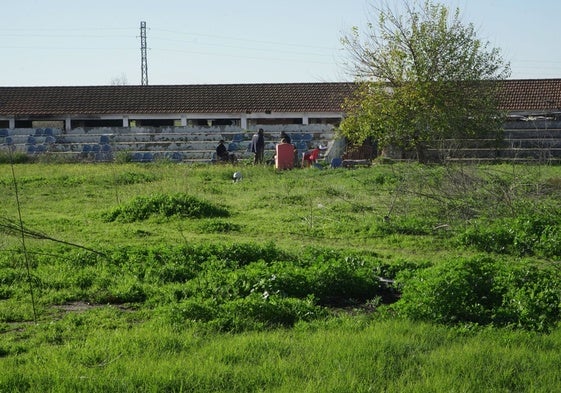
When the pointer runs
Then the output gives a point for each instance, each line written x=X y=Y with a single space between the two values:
x=531 y=296
x=456 y=291
x=495 y=237
x=14 y=158
x=538 y=234
x=255 y=311
x=226 y=285
x=241 y=254
x=258 y=311
x=340 y=282
x=398 y=267
x=181 y=205
x=483 y=291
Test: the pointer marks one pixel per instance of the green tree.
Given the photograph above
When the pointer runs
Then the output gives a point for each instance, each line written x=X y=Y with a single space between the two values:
x=422 y=76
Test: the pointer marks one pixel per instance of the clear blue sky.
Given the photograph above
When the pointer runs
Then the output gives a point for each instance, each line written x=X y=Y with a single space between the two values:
x=77 y=42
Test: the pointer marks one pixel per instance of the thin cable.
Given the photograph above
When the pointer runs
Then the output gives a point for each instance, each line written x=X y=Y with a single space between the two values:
x=220 y=37
x=22 y=232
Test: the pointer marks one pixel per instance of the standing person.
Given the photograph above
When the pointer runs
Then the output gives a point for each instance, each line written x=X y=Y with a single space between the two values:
x=258 y=146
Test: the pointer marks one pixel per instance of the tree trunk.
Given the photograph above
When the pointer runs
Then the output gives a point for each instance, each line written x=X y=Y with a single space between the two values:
x=421 y=150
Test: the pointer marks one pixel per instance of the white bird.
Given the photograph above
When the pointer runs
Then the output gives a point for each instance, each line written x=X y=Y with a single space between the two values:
x=237 y=176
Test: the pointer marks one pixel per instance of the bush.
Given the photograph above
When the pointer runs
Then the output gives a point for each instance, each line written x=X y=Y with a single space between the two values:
x=342 y=282
x=531 y=297
x=258 y=311
x=457 y=291
x=483 y=291
x=496 y=237
x=186 y=206
x=241 y=254
x=538 y=234
x=14 y=158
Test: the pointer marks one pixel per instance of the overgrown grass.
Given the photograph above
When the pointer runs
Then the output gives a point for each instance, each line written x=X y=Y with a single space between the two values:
x=353 y=354
x=166 y=277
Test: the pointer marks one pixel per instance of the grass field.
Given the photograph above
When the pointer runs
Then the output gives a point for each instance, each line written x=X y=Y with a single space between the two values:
x=173 y=278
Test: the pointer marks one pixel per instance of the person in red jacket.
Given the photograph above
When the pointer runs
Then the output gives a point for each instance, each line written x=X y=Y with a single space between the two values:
x=310 y=157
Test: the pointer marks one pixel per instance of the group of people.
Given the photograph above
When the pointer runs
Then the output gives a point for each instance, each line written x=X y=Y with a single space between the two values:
x=257 y=147
x=309 y=157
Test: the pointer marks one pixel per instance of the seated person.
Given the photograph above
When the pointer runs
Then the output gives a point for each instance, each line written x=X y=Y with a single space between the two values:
x=222 y=152
x=285 y=137
x=284 y=157
x=310 y=157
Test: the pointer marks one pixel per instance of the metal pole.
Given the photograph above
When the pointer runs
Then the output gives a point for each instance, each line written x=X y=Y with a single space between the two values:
x=143 y=57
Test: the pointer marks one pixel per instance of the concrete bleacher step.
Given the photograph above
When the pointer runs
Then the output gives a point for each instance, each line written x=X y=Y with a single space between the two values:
x=509 y=153
x=191 y=145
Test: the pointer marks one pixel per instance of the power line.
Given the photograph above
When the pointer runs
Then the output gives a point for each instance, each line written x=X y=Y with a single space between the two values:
x=231 y=38
x=245 y=48
x=242 y=56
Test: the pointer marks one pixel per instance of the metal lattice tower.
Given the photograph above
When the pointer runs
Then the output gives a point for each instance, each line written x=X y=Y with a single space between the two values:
x=143 y=56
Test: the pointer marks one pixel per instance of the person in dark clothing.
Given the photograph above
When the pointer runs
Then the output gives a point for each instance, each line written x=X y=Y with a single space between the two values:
x=285 y=136
x=222 y=152
x=258 y=146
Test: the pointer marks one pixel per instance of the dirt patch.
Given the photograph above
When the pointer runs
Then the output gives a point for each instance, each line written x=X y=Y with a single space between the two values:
x=75 y=307
x=84 y=306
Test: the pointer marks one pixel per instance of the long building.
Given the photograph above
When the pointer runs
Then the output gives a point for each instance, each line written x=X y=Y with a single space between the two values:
x=232 y=104
x=170 y=118
x=242 y=105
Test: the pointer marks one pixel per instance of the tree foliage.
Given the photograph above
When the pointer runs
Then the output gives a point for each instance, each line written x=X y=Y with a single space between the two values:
x=423 y=76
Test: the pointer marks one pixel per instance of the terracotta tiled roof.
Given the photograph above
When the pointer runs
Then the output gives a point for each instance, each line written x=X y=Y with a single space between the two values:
x=516 y=95
x=226 y=98
x=531 y=94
